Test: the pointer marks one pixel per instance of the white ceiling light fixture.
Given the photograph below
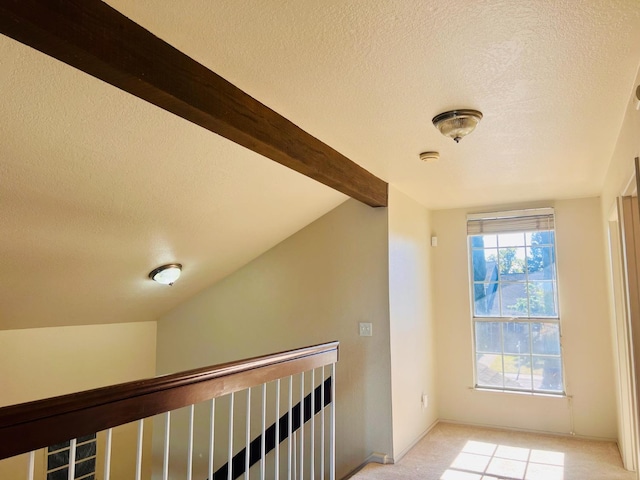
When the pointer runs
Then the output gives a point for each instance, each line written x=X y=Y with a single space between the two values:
x=457 y=123
x=166 y=274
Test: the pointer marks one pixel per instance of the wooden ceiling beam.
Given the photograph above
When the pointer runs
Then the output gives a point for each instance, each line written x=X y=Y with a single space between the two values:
x=97 y=39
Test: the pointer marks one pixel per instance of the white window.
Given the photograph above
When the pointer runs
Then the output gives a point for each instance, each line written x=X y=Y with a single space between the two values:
x=514 y=293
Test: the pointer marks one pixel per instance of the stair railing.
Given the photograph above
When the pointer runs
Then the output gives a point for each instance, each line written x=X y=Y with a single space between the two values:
x=28 y=427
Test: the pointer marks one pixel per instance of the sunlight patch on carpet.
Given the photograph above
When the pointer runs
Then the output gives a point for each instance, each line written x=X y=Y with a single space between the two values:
x=489 y=461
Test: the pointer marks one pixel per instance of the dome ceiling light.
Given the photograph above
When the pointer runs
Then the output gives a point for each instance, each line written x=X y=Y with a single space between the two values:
x=457 y=123
x=166 y=274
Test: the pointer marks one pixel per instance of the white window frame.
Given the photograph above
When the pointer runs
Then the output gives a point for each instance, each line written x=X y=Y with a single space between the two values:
x=514 y=221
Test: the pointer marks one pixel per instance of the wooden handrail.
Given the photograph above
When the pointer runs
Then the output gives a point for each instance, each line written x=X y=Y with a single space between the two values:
x=33 y=425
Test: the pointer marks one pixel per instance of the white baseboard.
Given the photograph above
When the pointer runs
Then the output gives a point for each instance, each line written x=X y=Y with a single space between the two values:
x=397 y=458
x=375 y=457
x=529 y=430
x=385 y=459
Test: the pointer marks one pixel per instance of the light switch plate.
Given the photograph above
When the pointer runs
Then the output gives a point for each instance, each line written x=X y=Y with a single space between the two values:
x=366 y=329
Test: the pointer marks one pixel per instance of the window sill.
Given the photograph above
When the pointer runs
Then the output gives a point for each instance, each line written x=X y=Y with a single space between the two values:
x=526 y=394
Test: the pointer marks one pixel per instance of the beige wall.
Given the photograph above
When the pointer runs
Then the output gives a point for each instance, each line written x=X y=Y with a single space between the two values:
x=620 y=172
x=621 y=167
x=585 y=326
x=315 y=286
x=412 y=326
x=44 y=362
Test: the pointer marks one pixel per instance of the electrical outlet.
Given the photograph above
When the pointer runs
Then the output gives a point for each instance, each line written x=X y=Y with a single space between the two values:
x=366 y=329
x=425 y=400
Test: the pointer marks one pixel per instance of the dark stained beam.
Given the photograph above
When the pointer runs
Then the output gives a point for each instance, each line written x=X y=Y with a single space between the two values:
x=93 y=37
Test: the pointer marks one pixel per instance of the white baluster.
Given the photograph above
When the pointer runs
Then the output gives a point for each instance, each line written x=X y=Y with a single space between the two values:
x=247 y=436
x=31 y=464
x=295 y=455
x=190 y=445
x=332 y=438
x=167 y=432
x=322 y=426
x=312 y=472
x=277 y=475
x=139 y=450
x=264 y=430
x=211 y=437
x=290 y=437
x=301 y=426
x=72 y=459
x=107 y=455
x=230 y=459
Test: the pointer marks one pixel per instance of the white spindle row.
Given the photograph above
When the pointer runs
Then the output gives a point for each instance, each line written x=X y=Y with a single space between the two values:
x=332 y=438
x=107 y=455
x=139 y=450
x=30 y=470
x=190 y=446
x=301 y=455
x=230 y=448
x=248 y=435
x=72 y=459
x=277 y=472
x=212 y=436
x=264 y=431
x=295 y=443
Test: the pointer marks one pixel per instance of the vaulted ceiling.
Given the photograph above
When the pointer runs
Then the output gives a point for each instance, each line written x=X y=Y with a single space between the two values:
x=98 y=187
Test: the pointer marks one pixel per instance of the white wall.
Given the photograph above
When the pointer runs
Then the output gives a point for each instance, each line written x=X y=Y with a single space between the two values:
x=412 y=327
x=585 y=326
x=315 y=286
x=620 y=172
x=44 y=362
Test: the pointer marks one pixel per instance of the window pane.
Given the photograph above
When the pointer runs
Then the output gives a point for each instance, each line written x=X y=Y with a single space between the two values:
x=488 y=337
x=86 y=450
x=489 y=370
x=514 y=279
x=548 y=374
x=517 y=372
x=542 y=299
x=62 y=474
x=483 y=241
x=485 y=265
x=85 y=467
x=546 y=338
x=516 y=337
x=540 y=238
x=511 y=239
x=514 y=299
x=541 y=263
x=86 y=438
x=511 y=262
x=55 y=460
x=59 y=446
x=486 y=303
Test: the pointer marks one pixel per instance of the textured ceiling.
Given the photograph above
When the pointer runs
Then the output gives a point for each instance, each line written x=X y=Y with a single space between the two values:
x=98 y=187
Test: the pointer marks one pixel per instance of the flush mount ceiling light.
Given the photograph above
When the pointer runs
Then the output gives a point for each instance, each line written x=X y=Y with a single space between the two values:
x=457 y=123
x=166 y=274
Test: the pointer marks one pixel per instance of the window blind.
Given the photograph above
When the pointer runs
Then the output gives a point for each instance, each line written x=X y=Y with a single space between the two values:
x=531 y=220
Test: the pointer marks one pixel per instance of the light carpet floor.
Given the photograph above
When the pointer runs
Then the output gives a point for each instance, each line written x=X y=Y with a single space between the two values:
x=457 y=452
